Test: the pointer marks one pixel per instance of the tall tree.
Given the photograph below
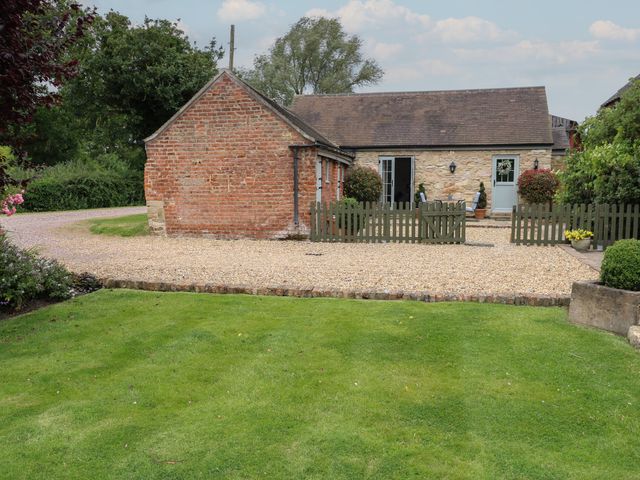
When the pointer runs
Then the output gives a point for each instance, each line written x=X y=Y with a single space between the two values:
x=132 y=78
x=35 y=36
x=315 y=56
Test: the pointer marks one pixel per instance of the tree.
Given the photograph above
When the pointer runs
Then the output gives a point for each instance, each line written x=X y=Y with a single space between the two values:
x=131 y=79
x=607 y=168
x=621 y=120
x=315 y=56
x=134 y=78
x=35 y=36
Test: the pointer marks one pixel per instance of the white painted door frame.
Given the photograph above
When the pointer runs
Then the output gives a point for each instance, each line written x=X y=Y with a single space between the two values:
x=387 y=165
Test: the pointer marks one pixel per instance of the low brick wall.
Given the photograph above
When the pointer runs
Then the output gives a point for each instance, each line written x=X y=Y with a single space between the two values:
x=531 y=300
x=602 y=307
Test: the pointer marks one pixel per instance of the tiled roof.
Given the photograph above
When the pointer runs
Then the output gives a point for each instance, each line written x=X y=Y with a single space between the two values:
x=616 y=96
x=507 y=116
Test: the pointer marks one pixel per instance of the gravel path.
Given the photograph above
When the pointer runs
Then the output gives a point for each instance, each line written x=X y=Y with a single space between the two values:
x=503 y=269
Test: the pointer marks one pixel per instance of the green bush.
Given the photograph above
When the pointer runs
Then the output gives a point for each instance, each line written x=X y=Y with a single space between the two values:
x=24 y=276
x=621 y=265
x=482 y=199
x=85 y=183
x=364 y=184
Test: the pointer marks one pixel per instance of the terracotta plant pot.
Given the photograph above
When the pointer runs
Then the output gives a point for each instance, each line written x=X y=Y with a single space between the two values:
x=581 y=245
x=480 y=213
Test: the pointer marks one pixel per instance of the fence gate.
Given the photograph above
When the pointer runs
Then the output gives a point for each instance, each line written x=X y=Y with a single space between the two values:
x=541 y=225
x=433 y=222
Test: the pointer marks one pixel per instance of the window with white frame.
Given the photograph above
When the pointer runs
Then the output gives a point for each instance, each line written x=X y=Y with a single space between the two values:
x=340 y=180
x=327 y=175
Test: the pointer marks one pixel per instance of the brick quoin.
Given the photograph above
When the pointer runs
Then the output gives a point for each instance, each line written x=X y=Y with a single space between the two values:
x=223 y=167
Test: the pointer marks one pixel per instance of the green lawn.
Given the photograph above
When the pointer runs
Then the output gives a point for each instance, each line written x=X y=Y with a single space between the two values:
x=127 y=226
x=141 y=385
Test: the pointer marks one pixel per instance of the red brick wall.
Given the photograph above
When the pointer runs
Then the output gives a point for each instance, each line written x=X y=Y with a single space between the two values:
x=224 y=168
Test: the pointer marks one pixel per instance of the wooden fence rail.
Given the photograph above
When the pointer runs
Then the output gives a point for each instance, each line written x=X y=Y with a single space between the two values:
x=541 y=225
x=433 y=222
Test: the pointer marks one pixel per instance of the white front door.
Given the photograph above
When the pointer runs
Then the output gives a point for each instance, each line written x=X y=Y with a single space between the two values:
x=318 y=180
x=505 y=178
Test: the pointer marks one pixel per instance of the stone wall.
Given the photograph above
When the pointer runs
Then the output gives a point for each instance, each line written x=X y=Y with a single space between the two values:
x=224 y=168
x=472 y=167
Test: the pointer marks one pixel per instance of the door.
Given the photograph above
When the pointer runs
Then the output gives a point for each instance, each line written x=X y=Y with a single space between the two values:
x=319 y=180
x=505 y=176
x=387 y=172
x=397 y=179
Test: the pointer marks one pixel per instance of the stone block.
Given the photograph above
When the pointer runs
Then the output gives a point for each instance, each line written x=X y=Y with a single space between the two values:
x=602 y=307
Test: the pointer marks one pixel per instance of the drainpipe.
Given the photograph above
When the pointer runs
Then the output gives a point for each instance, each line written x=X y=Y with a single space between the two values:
x=295 y=187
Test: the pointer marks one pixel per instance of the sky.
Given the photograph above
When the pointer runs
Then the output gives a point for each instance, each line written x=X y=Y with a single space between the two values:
x=581 y=51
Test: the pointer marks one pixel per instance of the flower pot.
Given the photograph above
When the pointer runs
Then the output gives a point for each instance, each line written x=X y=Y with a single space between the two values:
x=480 y=212
x=581 y=245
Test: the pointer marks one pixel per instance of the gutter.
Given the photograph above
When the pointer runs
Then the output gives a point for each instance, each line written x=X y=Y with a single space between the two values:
x=296 y=215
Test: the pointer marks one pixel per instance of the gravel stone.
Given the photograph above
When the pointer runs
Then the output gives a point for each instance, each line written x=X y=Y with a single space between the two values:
x=501 y=271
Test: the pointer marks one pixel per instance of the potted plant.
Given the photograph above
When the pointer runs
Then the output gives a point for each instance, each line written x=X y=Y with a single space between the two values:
x=580 y=239
x=481 y=207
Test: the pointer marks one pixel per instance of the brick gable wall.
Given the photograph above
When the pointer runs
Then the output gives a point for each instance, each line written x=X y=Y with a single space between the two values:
x=224 y=168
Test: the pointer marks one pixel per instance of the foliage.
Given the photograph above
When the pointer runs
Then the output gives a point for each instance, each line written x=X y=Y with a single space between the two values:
x=607 y=169
x=608 y=173
x=578 y=234
x=85 y=183
x=135 y=77
x=145 y=385
x=621 y=121
x=354 y=221
x=132 y=78
x=36 y=37
x=482 y=199
x=315 y=56
x=421 y=189
x=621 y=265
x=363 y=183
x=11 y=190
x=538 y=186
x=24 y=276
x=127 y=226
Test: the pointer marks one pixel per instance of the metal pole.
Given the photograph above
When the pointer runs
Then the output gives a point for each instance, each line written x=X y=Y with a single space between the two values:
x=231 y=46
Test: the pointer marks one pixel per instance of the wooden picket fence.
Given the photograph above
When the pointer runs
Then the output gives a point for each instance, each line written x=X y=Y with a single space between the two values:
x=433 y=222
x=541 y=225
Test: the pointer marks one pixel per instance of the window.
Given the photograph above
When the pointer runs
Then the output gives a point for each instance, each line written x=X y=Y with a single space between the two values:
x=327 y=175
x=340 y=180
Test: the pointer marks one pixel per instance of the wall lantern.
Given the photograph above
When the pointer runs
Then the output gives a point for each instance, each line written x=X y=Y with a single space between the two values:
x=452 y=167
x=536 y=164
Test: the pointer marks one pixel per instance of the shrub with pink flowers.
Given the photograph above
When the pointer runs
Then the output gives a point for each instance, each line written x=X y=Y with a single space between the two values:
x=10 y=202
x=11 y=195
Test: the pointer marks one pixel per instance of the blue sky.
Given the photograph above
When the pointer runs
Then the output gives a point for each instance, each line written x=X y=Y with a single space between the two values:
x=582 y=51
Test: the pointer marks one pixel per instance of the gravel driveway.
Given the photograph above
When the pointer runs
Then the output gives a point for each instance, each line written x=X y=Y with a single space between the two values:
x=503 y=269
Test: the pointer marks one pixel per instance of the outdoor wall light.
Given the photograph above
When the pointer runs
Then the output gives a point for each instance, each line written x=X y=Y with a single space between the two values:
x=452 y=167
x=536 y=164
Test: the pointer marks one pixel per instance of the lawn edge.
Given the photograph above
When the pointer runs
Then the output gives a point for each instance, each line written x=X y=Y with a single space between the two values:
x=287 y=291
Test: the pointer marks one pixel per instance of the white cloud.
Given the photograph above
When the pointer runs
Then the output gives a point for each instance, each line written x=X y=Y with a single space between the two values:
x=384 y=51
x=358 y=15
x=238 y=10
x=558 y=53
x=468 y=29
x=607 y=30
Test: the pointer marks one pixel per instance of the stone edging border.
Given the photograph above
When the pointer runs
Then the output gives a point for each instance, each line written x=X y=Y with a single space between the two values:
x=283 y=291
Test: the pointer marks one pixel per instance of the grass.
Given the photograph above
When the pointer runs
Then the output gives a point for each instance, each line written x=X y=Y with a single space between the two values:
x=127 y=226
x=142 y=385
